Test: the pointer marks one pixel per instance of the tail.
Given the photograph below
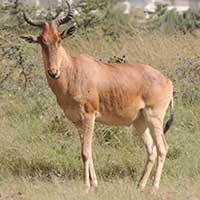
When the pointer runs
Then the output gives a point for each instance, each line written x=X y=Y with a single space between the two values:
x=171 y=118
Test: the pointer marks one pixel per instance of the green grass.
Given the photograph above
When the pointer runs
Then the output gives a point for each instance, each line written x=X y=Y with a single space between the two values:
x=35 y=189
x=40 y=143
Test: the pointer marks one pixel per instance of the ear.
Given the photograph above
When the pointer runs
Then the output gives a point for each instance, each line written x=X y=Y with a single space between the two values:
x=68 y=32
x=29 y=38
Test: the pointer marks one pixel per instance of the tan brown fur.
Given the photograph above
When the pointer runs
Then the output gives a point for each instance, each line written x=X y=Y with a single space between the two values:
x=88 y=90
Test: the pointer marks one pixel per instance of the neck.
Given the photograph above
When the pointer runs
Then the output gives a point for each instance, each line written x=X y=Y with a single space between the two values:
x=66 y=63
x=61 y=86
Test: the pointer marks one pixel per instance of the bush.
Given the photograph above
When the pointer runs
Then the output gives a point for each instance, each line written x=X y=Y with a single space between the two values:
x=94 y=12
x=170 y=20
x=188 y=80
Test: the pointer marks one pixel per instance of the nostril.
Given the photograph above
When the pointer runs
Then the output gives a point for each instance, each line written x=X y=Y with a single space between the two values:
x=53 y=73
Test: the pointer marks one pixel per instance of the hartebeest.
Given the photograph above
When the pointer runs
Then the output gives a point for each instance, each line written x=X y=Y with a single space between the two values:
x=88 y=90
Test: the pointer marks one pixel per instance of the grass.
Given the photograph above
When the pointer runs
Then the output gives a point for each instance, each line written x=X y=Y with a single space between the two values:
x=39 y=148
x=40 y=156
x=116 y=189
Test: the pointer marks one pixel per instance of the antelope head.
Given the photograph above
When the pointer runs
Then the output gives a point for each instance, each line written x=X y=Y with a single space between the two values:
x=50 y=40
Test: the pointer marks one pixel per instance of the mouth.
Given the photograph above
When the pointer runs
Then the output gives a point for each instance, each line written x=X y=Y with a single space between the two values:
x=54 y=76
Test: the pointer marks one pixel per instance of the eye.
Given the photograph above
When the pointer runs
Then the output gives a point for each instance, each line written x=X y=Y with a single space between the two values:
x=44 y=43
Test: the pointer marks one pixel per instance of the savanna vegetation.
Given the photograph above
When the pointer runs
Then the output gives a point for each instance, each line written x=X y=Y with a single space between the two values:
x=39 y=148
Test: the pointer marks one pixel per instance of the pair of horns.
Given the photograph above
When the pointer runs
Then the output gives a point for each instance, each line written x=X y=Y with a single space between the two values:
x=57 y=21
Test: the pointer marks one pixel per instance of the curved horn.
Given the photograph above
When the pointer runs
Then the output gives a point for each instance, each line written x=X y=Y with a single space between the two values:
x=32 y=22
x=63 y=20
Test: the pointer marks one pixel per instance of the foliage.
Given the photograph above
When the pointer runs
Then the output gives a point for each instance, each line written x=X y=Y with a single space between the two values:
x=94 y=12
x=169 y=20
x=10 y=50
x=188 y=76
x=116 y=59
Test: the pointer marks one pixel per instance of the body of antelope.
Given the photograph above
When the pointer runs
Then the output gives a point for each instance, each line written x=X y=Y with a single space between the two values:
x=90 y=91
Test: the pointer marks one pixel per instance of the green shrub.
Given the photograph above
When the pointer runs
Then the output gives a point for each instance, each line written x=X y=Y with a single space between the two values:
x=94 y=12
x=188 y=81
x=171 y=20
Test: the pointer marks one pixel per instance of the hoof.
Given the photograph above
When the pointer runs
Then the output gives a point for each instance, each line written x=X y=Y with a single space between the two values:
x=141 y=188
x=87 y=189
x=154 y=190
x=93 y=189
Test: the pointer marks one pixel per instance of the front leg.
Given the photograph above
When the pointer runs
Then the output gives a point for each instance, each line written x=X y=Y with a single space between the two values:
x=85 y=129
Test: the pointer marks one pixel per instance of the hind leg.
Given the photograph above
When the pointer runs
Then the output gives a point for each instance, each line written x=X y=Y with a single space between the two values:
x=154 y=118
x=145 y=135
